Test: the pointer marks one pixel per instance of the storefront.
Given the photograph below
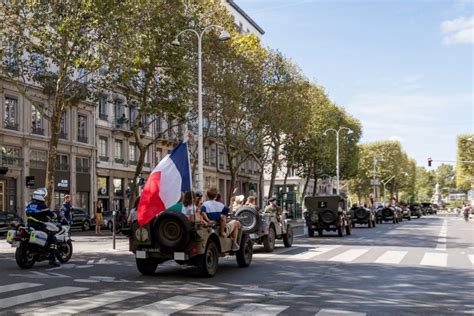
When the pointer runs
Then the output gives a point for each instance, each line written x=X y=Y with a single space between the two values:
x=7 y=194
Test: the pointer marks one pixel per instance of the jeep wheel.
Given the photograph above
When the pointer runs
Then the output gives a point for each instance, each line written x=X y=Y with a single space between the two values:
x=288 y=237
x=172 y=230
x=245 y=253
x=310 y=232
x=207 y=263
x=320 y=232
x=86 y=226
x=146 y=266
x=249 y=219
x=269 y=240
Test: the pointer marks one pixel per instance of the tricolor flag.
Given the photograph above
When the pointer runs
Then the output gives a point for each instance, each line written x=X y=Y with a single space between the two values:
x=165 y=184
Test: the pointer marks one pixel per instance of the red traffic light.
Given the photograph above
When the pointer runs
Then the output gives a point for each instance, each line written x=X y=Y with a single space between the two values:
x=429 y=161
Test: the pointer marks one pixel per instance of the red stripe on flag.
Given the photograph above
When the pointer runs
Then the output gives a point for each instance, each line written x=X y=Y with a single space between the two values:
x=150 y=202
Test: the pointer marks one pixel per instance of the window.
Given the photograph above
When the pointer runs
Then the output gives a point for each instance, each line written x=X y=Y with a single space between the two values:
x=132 y=114
x=147 y=158
x=10 y=119
x=132 y=157
x=38 y=159
x=221 y=159
x=118 y=151
x=36 y=120
x=63 y=126
x=159 y=126
x=82 y=165
x=11 y=156
x=62 y=162
x=145 y=122
x=103 y=107
x=118 y=186
x=213 y=156
x=170 y=128
x=119 y=108
x=102 y=185
x=103 y=149
x=82 y=128
x=206 y=155
x=159 y=155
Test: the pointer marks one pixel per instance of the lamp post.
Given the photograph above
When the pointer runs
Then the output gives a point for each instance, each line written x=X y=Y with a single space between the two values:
x=349 y=131
x=223 y=36
x=373 y=179
x=384 y=182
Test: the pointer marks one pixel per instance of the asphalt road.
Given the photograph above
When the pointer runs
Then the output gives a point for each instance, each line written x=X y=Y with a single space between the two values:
x=419 y=267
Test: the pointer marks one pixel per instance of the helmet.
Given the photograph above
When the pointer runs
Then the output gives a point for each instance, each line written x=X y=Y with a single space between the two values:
x=40 y=194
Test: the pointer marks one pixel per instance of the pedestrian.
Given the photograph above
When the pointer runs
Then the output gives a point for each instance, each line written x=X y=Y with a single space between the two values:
x=133 y=212
x=99 y=210
x=65 y=211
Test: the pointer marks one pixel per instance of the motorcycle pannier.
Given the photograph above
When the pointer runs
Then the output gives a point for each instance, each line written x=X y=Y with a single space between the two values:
x=38 y=237
x=10 y=236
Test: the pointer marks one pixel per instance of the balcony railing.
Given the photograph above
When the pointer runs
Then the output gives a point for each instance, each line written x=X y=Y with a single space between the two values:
x=118 y=160
x=62 y=135
x=37 y=130
x=103 y=116
x=11 y=161
x=103 y=158
x=11 y=125
x=146 y=164
x=132 y=162
x=82 y=139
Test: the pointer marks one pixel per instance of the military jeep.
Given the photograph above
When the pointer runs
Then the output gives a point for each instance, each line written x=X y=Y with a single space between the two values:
x=389 y=213
x=362 y=215
x=327 y=213
x=171 y=236
x=264 y=227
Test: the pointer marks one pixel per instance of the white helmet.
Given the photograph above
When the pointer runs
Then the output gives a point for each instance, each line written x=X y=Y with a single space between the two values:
x=40 y=194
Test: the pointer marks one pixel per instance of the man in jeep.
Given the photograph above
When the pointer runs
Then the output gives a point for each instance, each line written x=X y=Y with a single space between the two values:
x=213 y=210
x=273 y=207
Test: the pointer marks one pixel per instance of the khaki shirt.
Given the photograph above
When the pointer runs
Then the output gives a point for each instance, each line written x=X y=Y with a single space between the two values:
x=273 y=209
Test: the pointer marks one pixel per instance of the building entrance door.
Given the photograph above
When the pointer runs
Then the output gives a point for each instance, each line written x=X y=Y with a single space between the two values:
x=2 y=196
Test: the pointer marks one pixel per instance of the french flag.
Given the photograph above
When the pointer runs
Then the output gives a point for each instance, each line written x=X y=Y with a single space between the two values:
x=165 y=184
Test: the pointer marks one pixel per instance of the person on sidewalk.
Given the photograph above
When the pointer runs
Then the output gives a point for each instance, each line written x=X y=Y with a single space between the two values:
x=65 y=211
x=99 y=210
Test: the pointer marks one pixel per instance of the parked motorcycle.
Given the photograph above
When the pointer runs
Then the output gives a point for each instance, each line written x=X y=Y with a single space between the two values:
x=32 y=246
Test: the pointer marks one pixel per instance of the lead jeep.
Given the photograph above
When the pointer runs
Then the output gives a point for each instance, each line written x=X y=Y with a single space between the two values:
x=171 y=236
x=264 y=227
x=327 y=213
x=362 y=215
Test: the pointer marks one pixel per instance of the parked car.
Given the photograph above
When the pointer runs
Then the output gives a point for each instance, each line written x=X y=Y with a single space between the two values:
x=327 y=213
x=81 y=219
x=362 y=215
x=9 y=220
x=264 y=227
x=389 y=213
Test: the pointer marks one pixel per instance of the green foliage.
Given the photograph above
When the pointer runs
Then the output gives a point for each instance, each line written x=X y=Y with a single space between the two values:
x=425 y=184
x=465 y=164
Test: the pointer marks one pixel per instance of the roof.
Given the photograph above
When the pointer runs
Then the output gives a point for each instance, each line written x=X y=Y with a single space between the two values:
x=245 y=15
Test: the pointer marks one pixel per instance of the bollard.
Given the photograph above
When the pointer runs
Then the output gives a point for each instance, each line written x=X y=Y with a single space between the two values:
x=113 y=229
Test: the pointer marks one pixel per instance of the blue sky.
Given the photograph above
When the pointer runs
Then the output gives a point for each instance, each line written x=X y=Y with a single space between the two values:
x=403 y=68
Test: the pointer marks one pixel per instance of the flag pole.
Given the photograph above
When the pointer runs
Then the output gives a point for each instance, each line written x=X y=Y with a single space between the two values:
x=185 y=140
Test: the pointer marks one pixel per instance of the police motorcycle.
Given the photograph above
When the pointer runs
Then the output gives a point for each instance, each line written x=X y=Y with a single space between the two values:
x=32 y=244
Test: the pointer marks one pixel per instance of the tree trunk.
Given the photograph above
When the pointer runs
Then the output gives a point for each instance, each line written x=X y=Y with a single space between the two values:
x=261 y=187
x=138 y=170
x=306 y=183
x=275 y=160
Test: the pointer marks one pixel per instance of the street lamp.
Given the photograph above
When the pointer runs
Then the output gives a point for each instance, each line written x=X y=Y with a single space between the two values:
x=223 y=36
x=384 y=182
x=349 y=131
x=373 y=179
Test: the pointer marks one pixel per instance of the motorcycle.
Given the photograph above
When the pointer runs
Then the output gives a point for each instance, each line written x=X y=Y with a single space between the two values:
x=32 y=246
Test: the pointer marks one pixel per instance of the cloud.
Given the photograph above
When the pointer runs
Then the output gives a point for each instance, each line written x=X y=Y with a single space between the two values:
x=458 y=31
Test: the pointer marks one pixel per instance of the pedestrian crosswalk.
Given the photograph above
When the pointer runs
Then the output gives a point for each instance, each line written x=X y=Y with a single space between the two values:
x=68 y=300
x=376 y=255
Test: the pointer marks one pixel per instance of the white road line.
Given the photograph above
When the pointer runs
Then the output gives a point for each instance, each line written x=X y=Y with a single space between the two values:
x=86 y=303
x=435 y=259
x=257 y=309
x=17 y=286
x=313 y=253
x=471 y=258
x=392 y=257
x=37 y=296
x=167 y=306
x=336 y=312
x=349 y=255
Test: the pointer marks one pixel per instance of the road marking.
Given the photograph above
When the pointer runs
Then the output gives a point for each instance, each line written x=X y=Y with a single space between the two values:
x=336 y=312
x=349 y=255
x=168 y=306
x=435 y=259
x=36 y=296
x=17 y=286
x=257 y=309
x=312 y=253
x=86 y=303
x=471 y=258
x=392 y=257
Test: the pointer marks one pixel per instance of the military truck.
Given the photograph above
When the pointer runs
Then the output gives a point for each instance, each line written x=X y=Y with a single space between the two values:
x=327 y=213
x=171 y=236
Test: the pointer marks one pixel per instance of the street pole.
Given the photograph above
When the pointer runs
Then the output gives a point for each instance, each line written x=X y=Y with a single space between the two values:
x=373 y=180
x=349 y=131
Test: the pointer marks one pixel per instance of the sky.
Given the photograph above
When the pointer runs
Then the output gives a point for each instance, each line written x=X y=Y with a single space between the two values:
x=404 y=68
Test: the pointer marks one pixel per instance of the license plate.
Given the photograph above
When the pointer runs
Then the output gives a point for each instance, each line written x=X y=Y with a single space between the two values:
x=15 y=243
x=140 y=254
x=179 y=256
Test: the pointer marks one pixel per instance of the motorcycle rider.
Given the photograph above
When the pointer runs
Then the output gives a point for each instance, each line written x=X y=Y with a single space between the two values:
x=38 y=214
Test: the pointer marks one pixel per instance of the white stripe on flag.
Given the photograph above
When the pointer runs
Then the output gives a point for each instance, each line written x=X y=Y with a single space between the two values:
x=170 y=183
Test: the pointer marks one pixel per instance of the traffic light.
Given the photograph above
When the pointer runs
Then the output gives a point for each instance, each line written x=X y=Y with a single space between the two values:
x=429 y=161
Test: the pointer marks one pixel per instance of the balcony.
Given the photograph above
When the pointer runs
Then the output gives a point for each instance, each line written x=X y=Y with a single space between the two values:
x=103 y=158
x=119 y=160
x=37 y=130
x=132 y=162
x=103 y=117
x=11 y=161
x=62 y=135
x=146 y=164
x=82 y=139
x=11 y=125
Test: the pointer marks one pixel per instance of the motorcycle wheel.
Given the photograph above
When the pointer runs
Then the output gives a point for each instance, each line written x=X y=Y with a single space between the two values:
x=24 y=257
x=65 y=252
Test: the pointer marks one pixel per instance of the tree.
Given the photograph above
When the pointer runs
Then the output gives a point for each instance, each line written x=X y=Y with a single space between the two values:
x=56 y=46
x=465 y=164
x=445 y=177
x=425 y=183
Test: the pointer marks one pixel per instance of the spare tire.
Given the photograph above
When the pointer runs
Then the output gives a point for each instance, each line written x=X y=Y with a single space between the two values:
x=328 y=216
x=249 y=219
x=361 y=213
x=387 y=212
x=172 y=230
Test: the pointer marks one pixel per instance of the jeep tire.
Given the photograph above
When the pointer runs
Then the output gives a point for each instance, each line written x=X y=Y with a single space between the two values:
x=245 y=253
x=269 y=240
x=288 y=237
x=310 y=232
x=146 y=266
x=172 y=230
x=208 y=262
x=249 y=219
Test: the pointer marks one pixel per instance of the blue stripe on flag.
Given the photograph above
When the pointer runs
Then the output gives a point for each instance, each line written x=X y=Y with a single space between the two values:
x=180 y=158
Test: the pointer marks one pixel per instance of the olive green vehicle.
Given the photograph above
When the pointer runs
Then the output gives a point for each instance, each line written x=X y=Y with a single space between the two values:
x=171 y=236
x=327 y=213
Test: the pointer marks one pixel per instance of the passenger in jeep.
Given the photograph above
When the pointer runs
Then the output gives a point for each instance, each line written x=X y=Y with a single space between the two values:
x=213 y=210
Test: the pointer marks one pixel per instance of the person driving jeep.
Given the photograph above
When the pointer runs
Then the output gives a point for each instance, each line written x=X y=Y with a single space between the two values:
x=215 y=211
x=273 y=207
